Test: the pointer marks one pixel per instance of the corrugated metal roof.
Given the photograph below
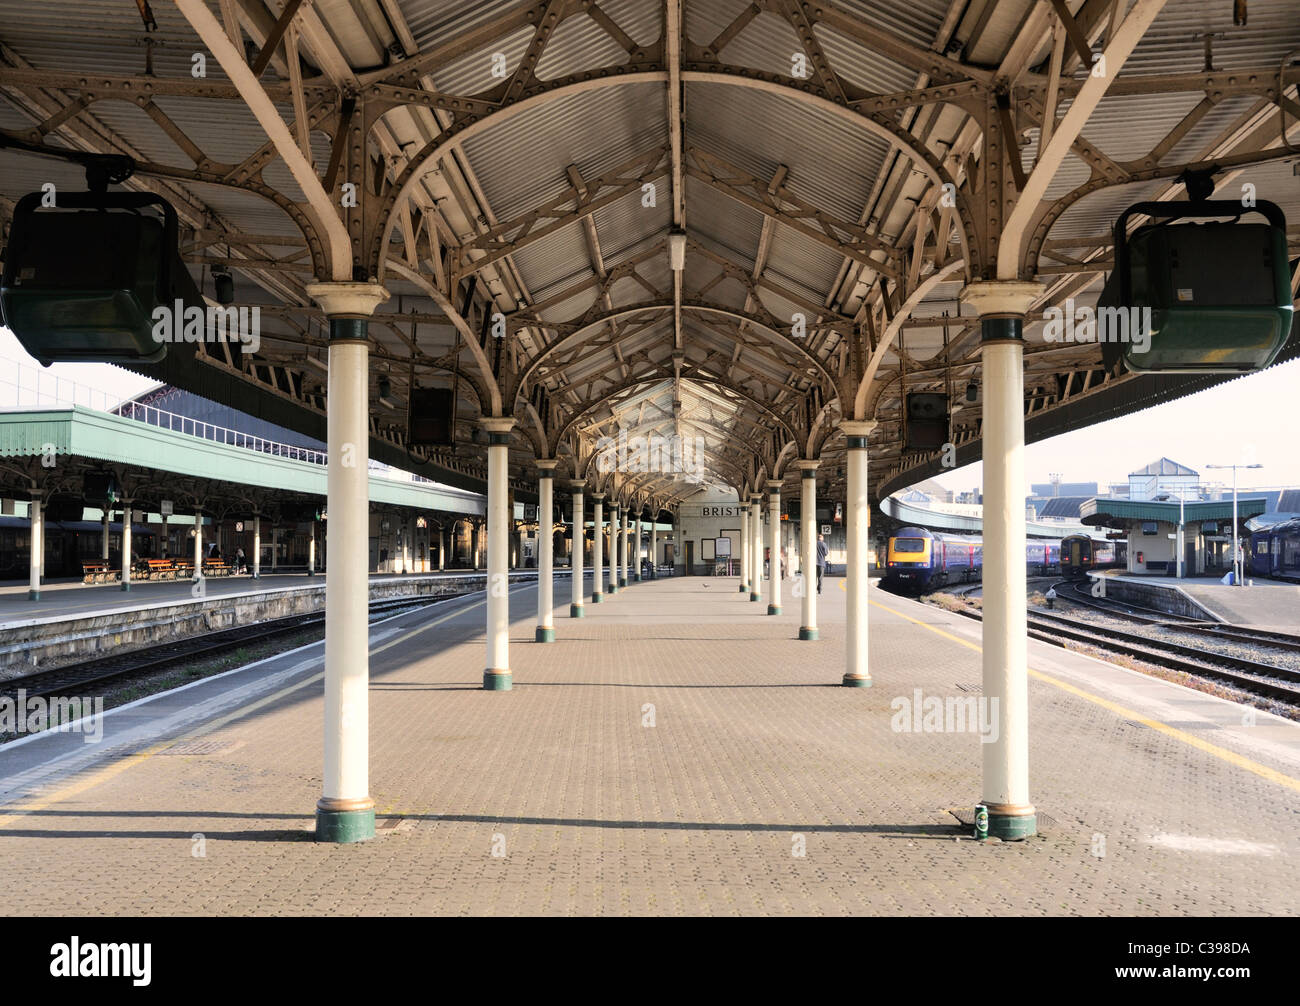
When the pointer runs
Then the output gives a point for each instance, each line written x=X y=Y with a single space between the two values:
x=832 y=164
x=521 y=163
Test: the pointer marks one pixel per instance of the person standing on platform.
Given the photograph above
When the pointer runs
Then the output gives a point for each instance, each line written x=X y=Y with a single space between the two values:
x=822 y=553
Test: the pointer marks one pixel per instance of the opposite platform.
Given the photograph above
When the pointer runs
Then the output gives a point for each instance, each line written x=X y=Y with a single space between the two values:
x=677 y=751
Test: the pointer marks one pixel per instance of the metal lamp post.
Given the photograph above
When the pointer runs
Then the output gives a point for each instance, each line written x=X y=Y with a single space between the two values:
x=1236 y=561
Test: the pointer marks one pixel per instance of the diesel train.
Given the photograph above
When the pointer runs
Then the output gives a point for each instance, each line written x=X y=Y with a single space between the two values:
x=1081 y=553
x=917 y=560
x=1275 y=551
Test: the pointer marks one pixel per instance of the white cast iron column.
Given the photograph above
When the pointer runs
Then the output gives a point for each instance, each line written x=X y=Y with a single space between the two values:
x=576 y=550
x=545 y=548
x=126 y=545
x=744 y=548
x=345 y=811
x=37 y=537
x=496 y=675
x=756 y=547
x=856 y=671
x=598 y=548
x=1002 y=307
x=808 y=547
x=615 y=547
x=774 y=535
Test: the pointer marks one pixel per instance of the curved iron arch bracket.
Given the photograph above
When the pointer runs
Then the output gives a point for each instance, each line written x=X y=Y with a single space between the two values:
x=591 y=321
x=878 y=123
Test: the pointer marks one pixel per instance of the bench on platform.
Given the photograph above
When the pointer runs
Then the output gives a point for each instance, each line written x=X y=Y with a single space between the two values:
x=99 y=572
x=159 y=569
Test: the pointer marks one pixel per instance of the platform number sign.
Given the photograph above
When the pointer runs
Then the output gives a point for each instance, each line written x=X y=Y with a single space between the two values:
x=164 y=508
x=826 y=529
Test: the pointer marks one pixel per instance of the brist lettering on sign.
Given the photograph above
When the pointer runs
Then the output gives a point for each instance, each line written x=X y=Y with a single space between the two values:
x=719 y=511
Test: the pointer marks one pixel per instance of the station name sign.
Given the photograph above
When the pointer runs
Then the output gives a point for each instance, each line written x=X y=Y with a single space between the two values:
x=720 y=511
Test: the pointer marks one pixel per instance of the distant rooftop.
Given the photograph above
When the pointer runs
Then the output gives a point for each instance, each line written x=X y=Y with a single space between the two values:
x=1164 y=466
x=1063 y=506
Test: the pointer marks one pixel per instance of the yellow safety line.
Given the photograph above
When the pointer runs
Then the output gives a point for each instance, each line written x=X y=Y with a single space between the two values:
x=1240 y=761
x=104 y=774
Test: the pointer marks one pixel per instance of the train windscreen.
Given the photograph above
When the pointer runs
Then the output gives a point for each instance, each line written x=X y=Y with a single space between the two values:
x=909 y=544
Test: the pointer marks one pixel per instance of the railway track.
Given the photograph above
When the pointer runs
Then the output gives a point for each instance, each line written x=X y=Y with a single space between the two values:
x=70 y=679
x=1258 y=678
x=1183 y=623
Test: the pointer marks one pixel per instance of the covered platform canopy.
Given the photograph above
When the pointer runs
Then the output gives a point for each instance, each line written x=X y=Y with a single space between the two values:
x=49 y=451
x=1119 y=513
x=751 y=228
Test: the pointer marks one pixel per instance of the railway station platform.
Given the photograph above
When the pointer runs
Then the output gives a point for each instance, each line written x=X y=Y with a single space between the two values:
x=73 y=621
x=676 y=751
x=71 y=597
x=1260 y=604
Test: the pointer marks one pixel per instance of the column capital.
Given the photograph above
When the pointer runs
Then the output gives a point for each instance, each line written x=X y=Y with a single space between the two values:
x=774 y=486
x=598 y=497
x=755 y=499
x=857 y=427
x=497 y=424
x=1001 y=298
x=347 y=300
x=546 y=467
x=577 y=485
x=808 y=466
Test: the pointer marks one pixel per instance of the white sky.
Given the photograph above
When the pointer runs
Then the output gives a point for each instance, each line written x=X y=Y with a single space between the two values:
x=1255 y=418
x=1252 y=419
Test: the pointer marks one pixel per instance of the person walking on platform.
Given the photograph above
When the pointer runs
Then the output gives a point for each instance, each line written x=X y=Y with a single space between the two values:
x=822 y=553
x=239 y=560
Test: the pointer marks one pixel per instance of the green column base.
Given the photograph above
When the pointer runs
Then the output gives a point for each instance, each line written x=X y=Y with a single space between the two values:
x=744 y=588
x=126 y=586
x=575 y=611
x=612 y=588
x=497 y=681
x=597 y=598
x=856 y=681
x=636 y=577
x=33 y=595
x=622 y=582
x=545 y=634
x=1012 y=827
x=806 y=633
x=755 y=597
x=774 y=609
x=343 y=826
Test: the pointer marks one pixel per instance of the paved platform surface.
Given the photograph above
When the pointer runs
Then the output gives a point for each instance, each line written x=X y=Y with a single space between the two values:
x=1262 y=603
x=1163 y=800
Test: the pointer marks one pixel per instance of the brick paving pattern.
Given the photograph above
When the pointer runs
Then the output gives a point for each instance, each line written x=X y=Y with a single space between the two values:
x=755 y=754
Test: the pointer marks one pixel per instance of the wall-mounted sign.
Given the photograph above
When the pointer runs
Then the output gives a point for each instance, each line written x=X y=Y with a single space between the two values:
x=722 y=548
x=239 y=525
x=165 y=508
x=720 y=511
x=826 y=529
